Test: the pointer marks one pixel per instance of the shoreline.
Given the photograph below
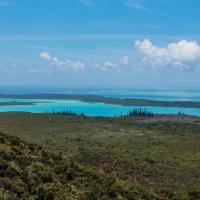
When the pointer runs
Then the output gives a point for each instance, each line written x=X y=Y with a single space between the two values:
x=102 y=99
x=143 y=119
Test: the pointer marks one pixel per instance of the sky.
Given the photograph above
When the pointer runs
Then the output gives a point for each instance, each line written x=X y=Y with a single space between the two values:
x=100 y=43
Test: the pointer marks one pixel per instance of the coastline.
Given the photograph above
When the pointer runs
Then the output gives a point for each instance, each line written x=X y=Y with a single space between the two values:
x=101 y=99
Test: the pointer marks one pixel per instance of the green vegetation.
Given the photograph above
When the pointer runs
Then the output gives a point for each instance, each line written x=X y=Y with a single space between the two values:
x=108 y=100
x=140 y=112
x=29 y=172
x=67 y=113
x=135 y=112
x=147 y=157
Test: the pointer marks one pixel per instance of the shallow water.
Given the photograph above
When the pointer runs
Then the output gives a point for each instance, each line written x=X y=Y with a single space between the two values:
x=88 y=108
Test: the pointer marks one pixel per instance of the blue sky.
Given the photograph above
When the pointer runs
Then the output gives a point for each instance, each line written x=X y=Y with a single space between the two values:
x=100 y=43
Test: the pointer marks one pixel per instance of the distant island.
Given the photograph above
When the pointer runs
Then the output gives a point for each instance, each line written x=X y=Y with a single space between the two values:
x=16 y=103
x=102 y=99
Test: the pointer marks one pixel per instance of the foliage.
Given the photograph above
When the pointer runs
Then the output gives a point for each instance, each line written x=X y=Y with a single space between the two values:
x=29 y=172
x=140 y=112
x=147 y=157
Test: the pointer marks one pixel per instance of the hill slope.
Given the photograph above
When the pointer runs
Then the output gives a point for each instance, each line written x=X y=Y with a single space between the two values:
x=152 y=160
x=29 y=172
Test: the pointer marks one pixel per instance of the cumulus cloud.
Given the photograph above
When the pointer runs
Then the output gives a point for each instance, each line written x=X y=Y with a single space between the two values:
x=182 y=55
x=113 y=66
x=45 y=55
x=62 y=65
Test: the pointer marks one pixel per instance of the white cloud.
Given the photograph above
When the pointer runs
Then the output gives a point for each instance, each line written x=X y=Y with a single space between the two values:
x=184 y=51
x=113 y=66
x=182 y=55
x=45 y=55
x=62 y=65
x=67 y=63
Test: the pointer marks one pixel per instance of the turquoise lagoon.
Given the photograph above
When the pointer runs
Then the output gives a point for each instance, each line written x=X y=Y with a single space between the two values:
x=88 y=108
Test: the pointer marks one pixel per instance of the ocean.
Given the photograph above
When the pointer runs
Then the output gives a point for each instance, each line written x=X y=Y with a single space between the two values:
x=99 y=109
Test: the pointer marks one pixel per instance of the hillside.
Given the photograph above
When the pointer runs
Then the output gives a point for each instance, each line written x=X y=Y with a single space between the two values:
x=96 y=158
x=29 y=172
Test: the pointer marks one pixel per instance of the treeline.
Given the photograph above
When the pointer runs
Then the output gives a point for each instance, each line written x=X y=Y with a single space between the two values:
x=141 y=113
x=136 y=112
x=66 y=113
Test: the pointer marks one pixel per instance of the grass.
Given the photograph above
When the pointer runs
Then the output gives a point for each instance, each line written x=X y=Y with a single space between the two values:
x=162 y=156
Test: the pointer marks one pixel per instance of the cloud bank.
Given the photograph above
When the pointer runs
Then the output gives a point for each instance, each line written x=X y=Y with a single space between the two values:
x=62 y=65
x=182 y=55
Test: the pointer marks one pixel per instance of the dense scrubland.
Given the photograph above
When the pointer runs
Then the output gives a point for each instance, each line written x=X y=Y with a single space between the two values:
x=29 y=172
x=77 y=157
